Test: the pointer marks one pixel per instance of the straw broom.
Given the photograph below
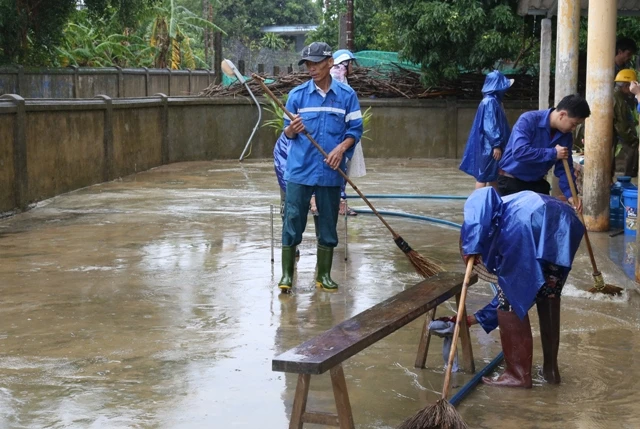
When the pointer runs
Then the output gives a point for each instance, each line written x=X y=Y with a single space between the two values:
x=422 y=265
x=443 y=415
x=600 y=286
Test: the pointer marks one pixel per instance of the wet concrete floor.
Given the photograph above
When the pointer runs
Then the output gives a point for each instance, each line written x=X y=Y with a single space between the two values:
x=151 y=302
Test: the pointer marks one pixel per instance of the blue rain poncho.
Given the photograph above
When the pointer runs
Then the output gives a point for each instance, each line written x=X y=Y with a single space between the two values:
x=280 y=152
x=490 y=130
x=516 y=236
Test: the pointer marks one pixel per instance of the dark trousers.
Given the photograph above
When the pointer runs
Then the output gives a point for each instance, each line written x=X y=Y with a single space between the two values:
x=296 y=210
x=511 y=185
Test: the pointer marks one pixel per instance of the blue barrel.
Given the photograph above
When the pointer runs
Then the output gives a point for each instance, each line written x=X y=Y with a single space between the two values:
x=616 y=210
x=630 y=198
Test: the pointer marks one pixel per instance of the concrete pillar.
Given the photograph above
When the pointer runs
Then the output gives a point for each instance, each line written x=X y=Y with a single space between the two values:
x=545 y=64
x=601 y=42
x=567 y=48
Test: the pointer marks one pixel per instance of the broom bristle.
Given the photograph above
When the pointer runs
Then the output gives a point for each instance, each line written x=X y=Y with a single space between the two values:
x=423 y=266
x=607 y=290
x=441 y=415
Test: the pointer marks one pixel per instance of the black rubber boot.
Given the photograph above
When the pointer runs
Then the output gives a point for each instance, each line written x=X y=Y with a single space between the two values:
x=325 y=260
x=517 y=346
x=288 y=262
x=549 y=316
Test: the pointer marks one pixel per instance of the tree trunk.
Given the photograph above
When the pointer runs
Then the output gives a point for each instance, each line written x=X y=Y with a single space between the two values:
x=349 y=25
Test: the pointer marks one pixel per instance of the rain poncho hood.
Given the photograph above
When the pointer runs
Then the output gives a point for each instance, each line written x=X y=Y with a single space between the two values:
x=516 y=236
x=490 y=130
x=280 y=152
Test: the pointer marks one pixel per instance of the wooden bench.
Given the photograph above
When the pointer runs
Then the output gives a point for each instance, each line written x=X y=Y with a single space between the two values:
x=328 y=350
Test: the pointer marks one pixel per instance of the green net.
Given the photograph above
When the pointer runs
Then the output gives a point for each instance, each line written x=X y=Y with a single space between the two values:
x=382 y=61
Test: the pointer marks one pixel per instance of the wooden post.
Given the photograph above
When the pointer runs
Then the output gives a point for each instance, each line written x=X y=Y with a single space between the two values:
x=107 y=170
x=260 y=68
x=217 y=55
x=241 y=67
x=567 y=49
x=342 y=31
x=276 y=70
x=598 y=129
x=20 y=172
x=290 y=68
x=545 y=64
x=349 y=25
x=425 y=339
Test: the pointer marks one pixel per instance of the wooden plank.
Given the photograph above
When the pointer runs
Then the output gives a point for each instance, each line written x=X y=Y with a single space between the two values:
x=425 y=339
x=340 y=393
x=300 y=401
x=344 y=340
x=321 y=418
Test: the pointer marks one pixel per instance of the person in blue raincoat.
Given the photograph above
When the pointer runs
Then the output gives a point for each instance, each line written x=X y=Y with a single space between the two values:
x=489 y=133
x=528 y=241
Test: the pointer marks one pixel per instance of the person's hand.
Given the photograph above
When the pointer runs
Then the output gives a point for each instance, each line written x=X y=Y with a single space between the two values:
x=562 y=152
x=295 y=127
x=335 y=157
x=497 y=153
x=577 y=205
x=634 y=88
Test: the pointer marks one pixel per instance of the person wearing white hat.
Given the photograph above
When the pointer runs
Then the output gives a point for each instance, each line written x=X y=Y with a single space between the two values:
x=342 y=68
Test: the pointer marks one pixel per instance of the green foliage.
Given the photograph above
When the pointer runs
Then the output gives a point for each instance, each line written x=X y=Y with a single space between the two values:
x=171 y=33
x=243 y=19
x=374 y=26
x=89 y=42
x=277 y=121
x=366 y=121
x=31 y=29
x=273 y=41
x=128 y=12
x=445 y=36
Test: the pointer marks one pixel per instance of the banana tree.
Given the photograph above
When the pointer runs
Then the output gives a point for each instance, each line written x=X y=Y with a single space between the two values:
x=171 y=34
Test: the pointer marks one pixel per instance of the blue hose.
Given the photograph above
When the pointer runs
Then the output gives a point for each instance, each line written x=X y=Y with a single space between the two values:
x=410 y=216
x=467 y=388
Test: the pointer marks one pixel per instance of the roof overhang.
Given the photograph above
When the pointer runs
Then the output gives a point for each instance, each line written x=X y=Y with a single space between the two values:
x=550 y=7
x=289 y=30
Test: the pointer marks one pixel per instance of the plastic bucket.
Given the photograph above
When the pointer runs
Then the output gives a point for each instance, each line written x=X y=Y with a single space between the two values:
x=630 y=210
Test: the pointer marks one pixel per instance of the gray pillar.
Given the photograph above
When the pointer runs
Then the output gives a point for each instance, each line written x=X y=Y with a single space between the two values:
x=598 y=136
x=545 y=64
x=567 y=49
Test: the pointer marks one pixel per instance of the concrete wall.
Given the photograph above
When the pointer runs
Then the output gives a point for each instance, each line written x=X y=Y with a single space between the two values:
x=73 y=82
x=48 y=147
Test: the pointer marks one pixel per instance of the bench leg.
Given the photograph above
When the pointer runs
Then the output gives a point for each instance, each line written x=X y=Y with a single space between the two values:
x=345 y=417
x=465 y=341
x=425 y=339
x=300 y=401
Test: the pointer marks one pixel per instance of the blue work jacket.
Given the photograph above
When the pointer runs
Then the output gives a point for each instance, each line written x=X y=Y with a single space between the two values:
x=530 y=152
x=516 y=235
x=280 y=154
x=329 y=120
x=490 y=130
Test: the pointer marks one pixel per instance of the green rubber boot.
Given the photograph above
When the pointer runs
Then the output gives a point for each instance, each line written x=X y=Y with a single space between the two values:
x=288 y=262
x=325 y=259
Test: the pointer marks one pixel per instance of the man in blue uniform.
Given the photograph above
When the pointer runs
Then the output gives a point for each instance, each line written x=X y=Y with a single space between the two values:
x=541 y=139
x=330 y=112
x=528 y=241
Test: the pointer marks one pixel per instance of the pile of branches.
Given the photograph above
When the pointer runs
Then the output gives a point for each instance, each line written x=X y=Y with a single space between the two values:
x=393 y=82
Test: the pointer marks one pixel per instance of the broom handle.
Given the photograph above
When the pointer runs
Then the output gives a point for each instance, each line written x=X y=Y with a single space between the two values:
x=456 y=331
x=311 y=139
x=574 y=194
